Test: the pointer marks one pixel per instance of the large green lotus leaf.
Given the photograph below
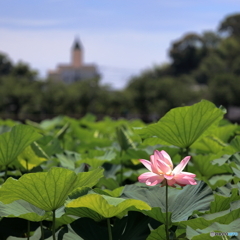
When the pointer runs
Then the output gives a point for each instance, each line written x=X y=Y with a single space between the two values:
x=182 y=126
x=89 y=179
x=68 y=159
x=236 y=158
x=235 y=143
x=114 y=193
x=14 y=142
x=222 y=203
x=204 y=165
x=224 y=217
x=83 y=211
x=34 y=124
x=107 y=206
x=60 y=134
x=135 y=154
x=30 y=158
x=7 y=122
x=106 y=154
x=88 y=118
x=158 y=234
x=157 y=214
x=182 y=202
x=50 y=145
x=4 y=128
x=96 y=158
x=52 y=123
x=225 y=132
x=111 y=170
x=151 y=141
x=67 y=233
x=222 y=160
x=47 y=190
x=209 y=144
x=219 y=180
x=145 y=154
x=148 y=138
x=198 y=224
x=108 y=183
x=124 y=138
x=199 y=234
x=87 y=138
x=236 y=171
x=22 y=209
x=37 y=235
x=227 y=189
x=235 y=205
x=87 y=144
x=93 y=162
x=229 y=214
x=62 y=218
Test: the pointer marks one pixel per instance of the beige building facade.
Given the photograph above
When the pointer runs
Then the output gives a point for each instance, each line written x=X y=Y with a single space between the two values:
x=76 y=70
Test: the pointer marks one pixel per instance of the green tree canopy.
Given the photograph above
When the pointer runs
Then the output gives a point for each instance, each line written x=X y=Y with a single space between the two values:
x=187 y=53
x=230 y=26
x=5 y=65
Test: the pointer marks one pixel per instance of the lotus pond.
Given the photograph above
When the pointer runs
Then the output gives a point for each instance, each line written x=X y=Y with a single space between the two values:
x=70 y=179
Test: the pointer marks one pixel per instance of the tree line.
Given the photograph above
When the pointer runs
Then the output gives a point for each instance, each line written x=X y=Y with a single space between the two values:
x=201 y=66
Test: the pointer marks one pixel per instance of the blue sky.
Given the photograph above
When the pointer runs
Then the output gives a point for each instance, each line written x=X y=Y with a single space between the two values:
x=122 y=37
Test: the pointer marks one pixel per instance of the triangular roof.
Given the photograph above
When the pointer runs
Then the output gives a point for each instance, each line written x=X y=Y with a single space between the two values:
x=77 y=45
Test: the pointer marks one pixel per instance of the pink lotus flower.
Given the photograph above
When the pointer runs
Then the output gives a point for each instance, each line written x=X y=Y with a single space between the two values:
x=161 y=170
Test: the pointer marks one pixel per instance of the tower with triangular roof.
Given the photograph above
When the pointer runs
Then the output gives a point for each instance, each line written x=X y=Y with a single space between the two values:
x=77 y=70
x=77 y=54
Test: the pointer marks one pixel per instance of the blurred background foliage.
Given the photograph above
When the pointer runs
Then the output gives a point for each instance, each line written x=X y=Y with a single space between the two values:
x=201 y=66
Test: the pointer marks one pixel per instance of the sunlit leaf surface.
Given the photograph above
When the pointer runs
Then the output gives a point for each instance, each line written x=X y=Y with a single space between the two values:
x=107 y=206
x=22 y=209
x=14 y=142
x=47 y=190
x=30 y=158
x=184 y=125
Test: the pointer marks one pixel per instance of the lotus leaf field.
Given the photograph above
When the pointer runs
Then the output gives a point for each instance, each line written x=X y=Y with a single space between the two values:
x=67 y=179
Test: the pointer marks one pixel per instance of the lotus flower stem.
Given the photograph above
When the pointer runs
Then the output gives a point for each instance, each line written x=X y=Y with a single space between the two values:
x=183 y=153
x=166 y=225
x=109 y=229
x=162 y=171
x=28 y=229
x=28 y=220
x=42 y=231
x=53 y=225
x=121 y=173
x=5 y=175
